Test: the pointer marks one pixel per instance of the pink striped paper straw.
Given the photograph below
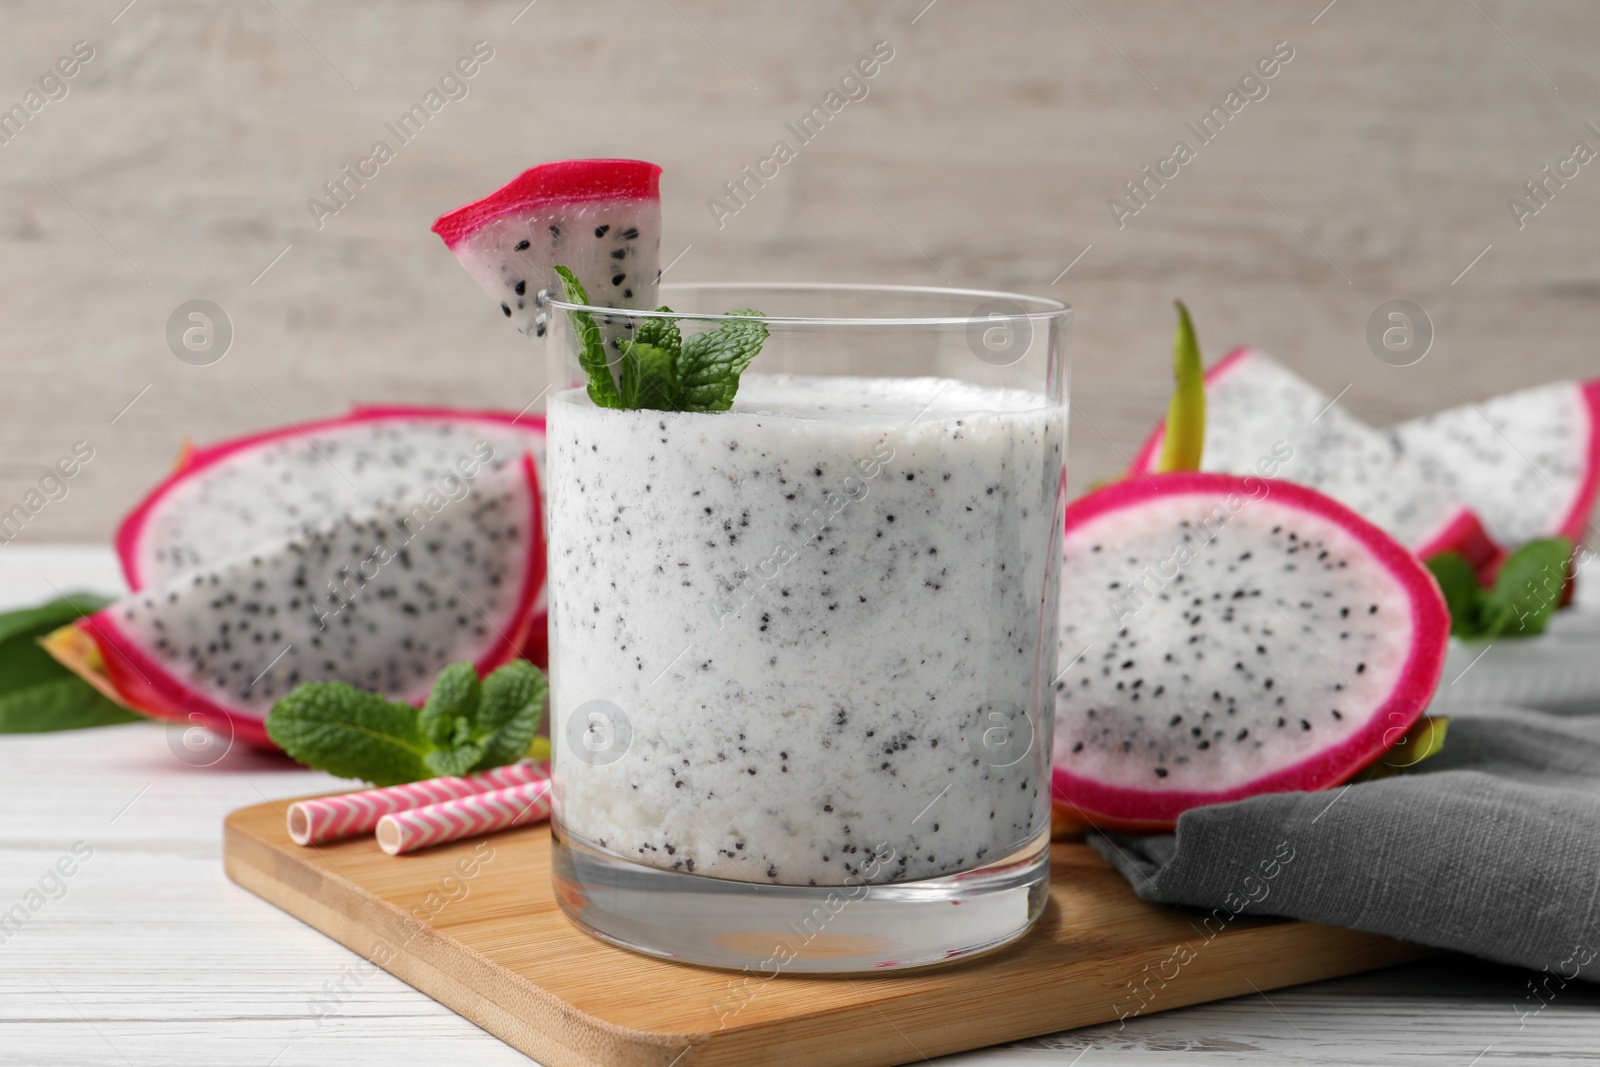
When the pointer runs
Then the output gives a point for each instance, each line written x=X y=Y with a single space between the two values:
x=312 y=822
x=481 y=813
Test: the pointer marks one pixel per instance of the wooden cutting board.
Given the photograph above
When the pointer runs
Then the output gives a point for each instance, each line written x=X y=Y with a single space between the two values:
x=475 y=926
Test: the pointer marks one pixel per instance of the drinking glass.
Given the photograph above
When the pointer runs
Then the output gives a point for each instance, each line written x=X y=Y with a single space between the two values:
x=802 y=650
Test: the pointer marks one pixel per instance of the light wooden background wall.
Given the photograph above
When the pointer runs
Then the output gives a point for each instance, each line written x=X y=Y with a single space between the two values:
x=179 y=164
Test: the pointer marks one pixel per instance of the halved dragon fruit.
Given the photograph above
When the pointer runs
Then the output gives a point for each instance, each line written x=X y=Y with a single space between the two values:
x=233 y=495
x=601 y=218
x=536 y=645
x=1527 y=462
x=1229 y=636
x=1259 y=412
x=164 y=535
x=372 y=549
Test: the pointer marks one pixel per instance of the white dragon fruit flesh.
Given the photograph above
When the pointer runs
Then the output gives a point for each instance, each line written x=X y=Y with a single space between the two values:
x=1257 y=409
x=1228 y=636
x=1527 y=462
x=600 y=218
x=372 y=549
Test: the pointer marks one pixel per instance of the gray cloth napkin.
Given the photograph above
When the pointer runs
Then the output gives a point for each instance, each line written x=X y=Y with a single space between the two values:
x=1491 y=847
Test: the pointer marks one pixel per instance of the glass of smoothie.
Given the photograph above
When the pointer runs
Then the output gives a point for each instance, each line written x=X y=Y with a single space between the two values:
x=802 y=649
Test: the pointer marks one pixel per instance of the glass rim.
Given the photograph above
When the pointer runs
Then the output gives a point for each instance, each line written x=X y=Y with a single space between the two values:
x=1047 y=308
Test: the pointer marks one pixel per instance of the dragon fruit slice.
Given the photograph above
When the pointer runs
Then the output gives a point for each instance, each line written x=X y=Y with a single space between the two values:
x=1528 y=462
x=1262 y=417
x=1228 y=637
x=372 y=549
x=174 y=529
x=531 y=427
x=228 y=497
x=601 y=218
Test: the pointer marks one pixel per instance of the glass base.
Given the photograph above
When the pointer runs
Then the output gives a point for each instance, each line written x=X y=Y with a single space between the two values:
x=778 y=929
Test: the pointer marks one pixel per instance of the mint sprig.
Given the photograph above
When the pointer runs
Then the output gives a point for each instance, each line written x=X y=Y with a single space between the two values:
x=659 y=370
x=591 y=346
x=1526 y=591
x=465 y=726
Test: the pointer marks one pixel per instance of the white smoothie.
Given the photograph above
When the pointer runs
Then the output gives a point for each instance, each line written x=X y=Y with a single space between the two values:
x=808 y=609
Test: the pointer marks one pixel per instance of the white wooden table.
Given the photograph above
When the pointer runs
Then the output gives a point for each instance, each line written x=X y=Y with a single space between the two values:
x=149 y=955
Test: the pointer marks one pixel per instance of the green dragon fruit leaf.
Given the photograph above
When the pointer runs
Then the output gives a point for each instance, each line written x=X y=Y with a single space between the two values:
x=1424 y=739
x=1185 y=436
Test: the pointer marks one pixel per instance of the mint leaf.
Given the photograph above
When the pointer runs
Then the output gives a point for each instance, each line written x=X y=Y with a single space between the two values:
x=351 y=733
x=1462 y=594
x=449 y=720
x=65 y=703
x=647 y=379
x=509 y=712
x=591 y=346
x=663 y=333
x=454 y=761
x=1527 y=588
x=709 y=366
x=446 y=719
